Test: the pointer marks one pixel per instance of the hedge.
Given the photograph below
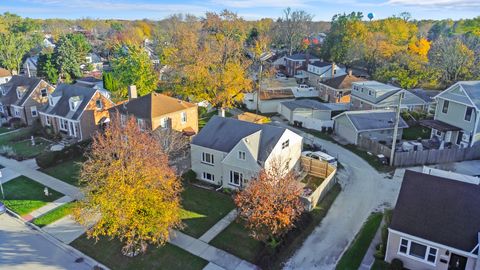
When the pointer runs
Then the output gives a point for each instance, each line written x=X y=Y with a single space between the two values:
x=51 y=158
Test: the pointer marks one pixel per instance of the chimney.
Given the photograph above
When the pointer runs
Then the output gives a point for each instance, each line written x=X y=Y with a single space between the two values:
x=132 y=92
x=350 y=72
x=221 y=112
x=333 y=69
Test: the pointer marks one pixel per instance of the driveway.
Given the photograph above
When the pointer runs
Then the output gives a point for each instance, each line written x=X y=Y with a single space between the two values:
x=363 y=190
x=24 y=248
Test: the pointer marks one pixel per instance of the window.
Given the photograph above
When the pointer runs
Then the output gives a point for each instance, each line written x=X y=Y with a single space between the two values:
x=63 y=124
x=16 y=111
x=98 y=104
x=468 y=114
x=141 y=124
x=184 y=117
x=43 y=92
x=418 y=251
x=47 y=120
x=34 y=111
x=235 y=178
x=50 y=101
x=445 y=106
x=241 y=155
x=208 y=158
x=285 y=144
x=369 y=92
x=208 y=176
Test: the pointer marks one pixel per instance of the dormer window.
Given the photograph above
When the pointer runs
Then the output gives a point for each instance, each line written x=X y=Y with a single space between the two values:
x=50 y=100
x=98 y=104
x=74 y=102
x=44 y=92
x=20 y=91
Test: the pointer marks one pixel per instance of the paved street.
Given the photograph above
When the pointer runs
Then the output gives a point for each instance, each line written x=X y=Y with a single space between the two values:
x=24 y=248
x=364 y=190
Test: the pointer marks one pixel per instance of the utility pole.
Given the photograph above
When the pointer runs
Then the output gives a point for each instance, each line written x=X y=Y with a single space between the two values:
x=1 y=186
x=395 y=129
x=259 y=84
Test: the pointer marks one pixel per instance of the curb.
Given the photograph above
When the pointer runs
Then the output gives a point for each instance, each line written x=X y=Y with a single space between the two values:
x=67 y=248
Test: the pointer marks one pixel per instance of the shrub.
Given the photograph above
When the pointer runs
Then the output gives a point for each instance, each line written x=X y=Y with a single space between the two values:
x=16 y=123
x=396 y=264
x=190 y=176
x=7 y=151
x=51 y=158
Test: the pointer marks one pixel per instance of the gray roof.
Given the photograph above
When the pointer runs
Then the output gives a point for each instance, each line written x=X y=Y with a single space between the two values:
x=222 y=134
x=472 y=88
x=305 y=104
x=300 y=56
x=425 y=95
x=11 y=98
x=437 y=209
x=62 y=106
x=373 y=119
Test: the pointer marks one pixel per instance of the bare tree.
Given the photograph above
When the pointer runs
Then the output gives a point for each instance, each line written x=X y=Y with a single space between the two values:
x=173 y=143
x=293 y=27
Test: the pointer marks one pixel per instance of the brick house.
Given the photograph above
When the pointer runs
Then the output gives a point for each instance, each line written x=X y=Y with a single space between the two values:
x=338 y=89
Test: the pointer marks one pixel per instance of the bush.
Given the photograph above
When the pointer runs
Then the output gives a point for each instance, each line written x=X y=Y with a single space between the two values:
x=16 y=123
x=7 y=151
x=190 y=176
x=396 y=264
x=51 y=158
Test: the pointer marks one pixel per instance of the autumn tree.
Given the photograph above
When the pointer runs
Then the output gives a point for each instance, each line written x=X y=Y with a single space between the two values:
x=270 y=204
x=132 y=66
x=130 y=191
x=70 y=53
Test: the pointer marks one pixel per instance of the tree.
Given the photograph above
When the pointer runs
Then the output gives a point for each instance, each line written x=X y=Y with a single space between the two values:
x=109 y=82
x=452 y=58
x=173 y=143
x=294 y=26
x=70 y=53
x=270 y=204
x=129 y=188
x=13 y=48
x=46 y=66
x=132 y=66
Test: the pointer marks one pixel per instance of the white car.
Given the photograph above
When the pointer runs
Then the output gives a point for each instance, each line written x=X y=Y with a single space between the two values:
x=280 y=76
x=304 y=87
x=321 y=156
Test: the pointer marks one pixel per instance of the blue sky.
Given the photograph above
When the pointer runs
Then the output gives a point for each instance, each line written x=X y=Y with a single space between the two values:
x=249 y=9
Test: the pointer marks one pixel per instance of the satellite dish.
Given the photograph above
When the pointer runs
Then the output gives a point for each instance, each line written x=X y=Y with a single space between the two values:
x=370 y=15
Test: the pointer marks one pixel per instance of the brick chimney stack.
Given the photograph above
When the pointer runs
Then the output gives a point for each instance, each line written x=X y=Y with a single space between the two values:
x=333 y=69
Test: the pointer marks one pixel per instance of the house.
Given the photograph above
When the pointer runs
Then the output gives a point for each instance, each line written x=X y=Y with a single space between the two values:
x=93 y=82
x=320 y=71
x=30 y=66
x=435 y=223
x=295 y=61
x=311 y=114
x=457 y=119
x=95 y=60
x=338 y=89
x=371 y=95
x=5 y=75
x=428 y=96
x=376 y=125
x=48 y=41
x=229 y=152
x=76 y=112
x=22 y=97
x=155 y=110
x=253 y=118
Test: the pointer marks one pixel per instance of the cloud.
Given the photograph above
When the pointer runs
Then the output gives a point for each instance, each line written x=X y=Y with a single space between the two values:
x=454 y=4
x=261 y=3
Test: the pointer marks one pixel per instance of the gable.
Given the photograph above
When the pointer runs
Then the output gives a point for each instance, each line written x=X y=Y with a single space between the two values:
x=457 y=94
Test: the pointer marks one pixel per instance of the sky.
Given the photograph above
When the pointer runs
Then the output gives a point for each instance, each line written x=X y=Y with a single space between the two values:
x=323 y=10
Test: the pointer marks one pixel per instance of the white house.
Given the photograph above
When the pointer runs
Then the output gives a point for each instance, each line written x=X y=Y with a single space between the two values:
x=229 y=152
x=30 y=66
x=320 y=71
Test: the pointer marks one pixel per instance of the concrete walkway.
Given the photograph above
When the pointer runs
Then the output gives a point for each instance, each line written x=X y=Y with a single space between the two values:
x=207 y=252
x=65 y=229
x=42 y=178
x=8 y=174
x=219 y=227
x=369 y=258
x=47 y=208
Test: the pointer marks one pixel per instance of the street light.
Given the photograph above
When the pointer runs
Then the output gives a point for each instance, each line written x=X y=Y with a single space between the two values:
x=1 y=185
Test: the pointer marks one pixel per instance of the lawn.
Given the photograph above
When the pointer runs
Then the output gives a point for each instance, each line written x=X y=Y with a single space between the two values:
x=203 y=118
x=353 y=257
x=312 y=182
x=5 y=129
x=108 y=252
x=371 y=159
x=413 y=133
x=25 y=148
x=236 y=240
x=380 y=265
x=202 y=209
x=54 y=215
x=20 y=133
x=23 y=195
x=67 y=171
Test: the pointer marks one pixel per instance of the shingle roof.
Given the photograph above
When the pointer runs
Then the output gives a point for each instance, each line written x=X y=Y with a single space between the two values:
x=320 y=64
x=4 y=72
x=152 y=105
x=222 y=134
x=373 y=119
x=300 y=56
x=437 y=209
x=65 y=92
x=11 y=87
x=343 y=82
x=425 y=95
x=472 y=89
x=305 y=103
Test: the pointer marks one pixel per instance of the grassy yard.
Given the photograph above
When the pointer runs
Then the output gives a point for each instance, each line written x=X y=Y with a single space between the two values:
x=203 y=118
x=167 y=257
x=371 y=159
x=23 y=195
x=236 y=240
x=380 y=265
x=312 y=182
x=202 y=209
x=353 y=257
x=67 y=171
x=23 y=133
x=5 y=129
x=26 y=150
x=413 y=133
x=54 y=215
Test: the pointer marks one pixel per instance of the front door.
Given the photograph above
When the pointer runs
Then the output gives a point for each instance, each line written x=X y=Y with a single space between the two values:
x=457 y=262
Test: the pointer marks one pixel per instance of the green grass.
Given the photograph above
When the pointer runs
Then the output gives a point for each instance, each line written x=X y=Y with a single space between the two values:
x=205 y=117
x=312 y=182
x=353 y=257
x=20 y=133
x=413 y=133
x=23 y=195
x=54 y=215
x=25 y=148
x=5 y=129
x=380 y=265
x=236 y=239
x=67 y=171
x=108 y=252
x=202 y=209
x=371 y=159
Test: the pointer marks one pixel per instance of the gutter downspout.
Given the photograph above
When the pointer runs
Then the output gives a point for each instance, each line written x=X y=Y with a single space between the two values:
x=475 y=128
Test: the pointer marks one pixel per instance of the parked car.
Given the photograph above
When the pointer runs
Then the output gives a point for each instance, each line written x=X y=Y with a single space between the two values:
x=321 y=156
x=3 y=208
x=304 y=87
x=280 y=76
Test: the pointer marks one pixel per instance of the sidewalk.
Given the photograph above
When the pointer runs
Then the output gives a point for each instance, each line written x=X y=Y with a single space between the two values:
x=218 y=227
x=42 y=178
x=65 y=229
x=47 y=208
x=8 y=174
x=369 y=258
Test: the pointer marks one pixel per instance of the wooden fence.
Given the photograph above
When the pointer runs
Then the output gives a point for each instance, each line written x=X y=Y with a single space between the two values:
x=373 y=146
x=318 y=168
x=315 y=167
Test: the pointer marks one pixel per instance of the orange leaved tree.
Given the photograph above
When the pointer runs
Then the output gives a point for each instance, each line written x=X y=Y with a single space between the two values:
x=270 y=205
x=130 y=192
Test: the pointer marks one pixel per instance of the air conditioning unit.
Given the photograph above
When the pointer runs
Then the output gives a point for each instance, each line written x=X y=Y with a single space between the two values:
x=465 y=137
